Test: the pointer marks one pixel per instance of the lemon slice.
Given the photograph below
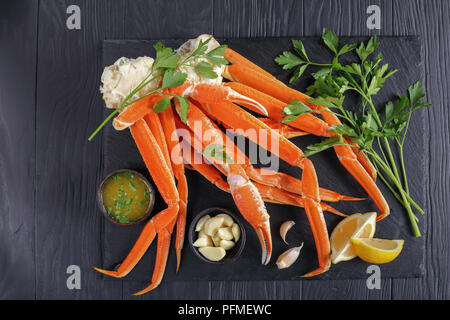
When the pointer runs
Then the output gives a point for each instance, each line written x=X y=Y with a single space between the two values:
x=377 y=250
x=357 y=226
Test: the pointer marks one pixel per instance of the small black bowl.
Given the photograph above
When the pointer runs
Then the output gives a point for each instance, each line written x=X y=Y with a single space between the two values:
x=151 y=202
x=232 y=254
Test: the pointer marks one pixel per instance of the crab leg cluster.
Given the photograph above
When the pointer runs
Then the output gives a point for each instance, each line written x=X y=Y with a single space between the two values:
x=166 y=152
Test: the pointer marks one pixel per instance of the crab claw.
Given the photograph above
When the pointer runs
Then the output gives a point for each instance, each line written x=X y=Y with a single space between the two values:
x=215 y=93
x=251 y=205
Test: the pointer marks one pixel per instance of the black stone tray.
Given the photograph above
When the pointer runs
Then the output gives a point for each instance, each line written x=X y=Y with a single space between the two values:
x=119 y=151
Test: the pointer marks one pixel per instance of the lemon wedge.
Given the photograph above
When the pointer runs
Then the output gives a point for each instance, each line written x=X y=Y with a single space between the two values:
x=355 y=226
x=377 y=250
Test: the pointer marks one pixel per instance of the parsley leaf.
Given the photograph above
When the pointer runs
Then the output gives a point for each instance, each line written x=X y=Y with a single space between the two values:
x=295 y=109
x=162 y=105
x=184 y=108
x=321 y=146
x=330 y=39
x=173 y=79
x=217 y=151
x=216 y=56
x=288 y=60
x=206 y=70
x=165 y=57
x=300 y=48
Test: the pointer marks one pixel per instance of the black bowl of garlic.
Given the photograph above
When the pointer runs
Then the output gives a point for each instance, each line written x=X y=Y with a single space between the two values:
x=217 y=236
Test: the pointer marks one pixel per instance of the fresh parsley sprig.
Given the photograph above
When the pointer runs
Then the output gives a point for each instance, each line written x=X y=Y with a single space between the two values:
x=373 y=131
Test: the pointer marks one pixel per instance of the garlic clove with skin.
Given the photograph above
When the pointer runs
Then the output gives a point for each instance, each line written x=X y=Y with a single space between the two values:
x=285 y=227
x=287 y=258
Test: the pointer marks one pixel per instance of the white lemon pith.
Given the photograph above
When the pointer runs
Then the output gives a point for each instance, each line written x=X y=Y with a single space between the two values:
x=377 y=250
x=355 y=226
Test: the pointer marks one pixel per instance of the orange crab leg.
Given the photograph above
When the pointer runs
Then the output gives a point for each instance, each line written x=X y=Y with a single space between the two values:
x=345 y=153
x=160 y=263
x=274 y=107
x=245 y=194
x=293 y=185
x=363 y=159
x=268 y=193
x=136 y=111
x=265 y=176
x=251 y=205
x=315 y=218
x=214 y=93
x=167 y=117
x=161 y=222
x=235 y=58
x=156 y=128
x=235 y=117
x=286 y=131
x=306 y=122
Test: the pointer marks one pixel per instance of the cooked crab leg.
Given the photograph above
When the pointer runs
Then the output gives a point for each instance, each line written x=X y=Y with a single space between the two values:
x=167 y=117
x=156 y=128
x=235 y=58
x=286 y=131
x=274 y=107
x=214 y=93
x=136 y=111
x=262 y=176
x=245 y=194
x=162 y=222
x=140 y=108
x=345 y=153
x=268 y=193
x=305 y=122
x=236 y=117
x=291 y=184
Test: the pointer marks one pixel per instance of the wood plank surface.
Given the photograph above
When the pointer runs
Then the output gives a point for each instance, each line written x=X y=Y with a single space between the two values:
x=18 y=41
x=346 y=18
x=63 y=227
x=430 y=20
x=68 y=166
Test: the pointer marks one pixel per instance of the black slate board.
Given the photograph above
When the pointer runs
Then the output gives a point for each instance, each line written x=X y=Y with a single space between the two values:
x=119 y=151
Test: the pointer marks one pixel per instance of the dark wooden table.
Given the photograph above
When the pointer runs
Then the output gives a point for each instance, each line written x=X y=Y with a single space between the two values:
x=49 y=79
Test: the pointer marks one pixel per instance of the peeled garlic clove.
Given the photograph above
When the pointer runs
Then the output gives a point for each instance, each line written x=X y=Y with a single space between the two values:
x=227 y=220
x=285 y=227
x=203 y=242
x=236 y=231
x=211 y=225
x=216 y=240
x=287 y=258
x=226 y=244
x=202 y=234
x=213 y=253
x=225 y=234
x=201 y=223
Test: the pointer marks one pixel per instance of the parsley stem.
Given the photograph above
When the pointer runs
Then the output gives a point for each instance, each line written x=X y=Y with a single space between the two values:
x=102 y=124
x=320 y=64
x=405 y=202
x=402 y=165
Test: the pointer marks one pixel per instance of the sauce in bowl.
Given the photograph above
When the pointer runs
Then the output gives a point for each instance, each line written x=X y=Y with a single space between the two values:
x=126 y=197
